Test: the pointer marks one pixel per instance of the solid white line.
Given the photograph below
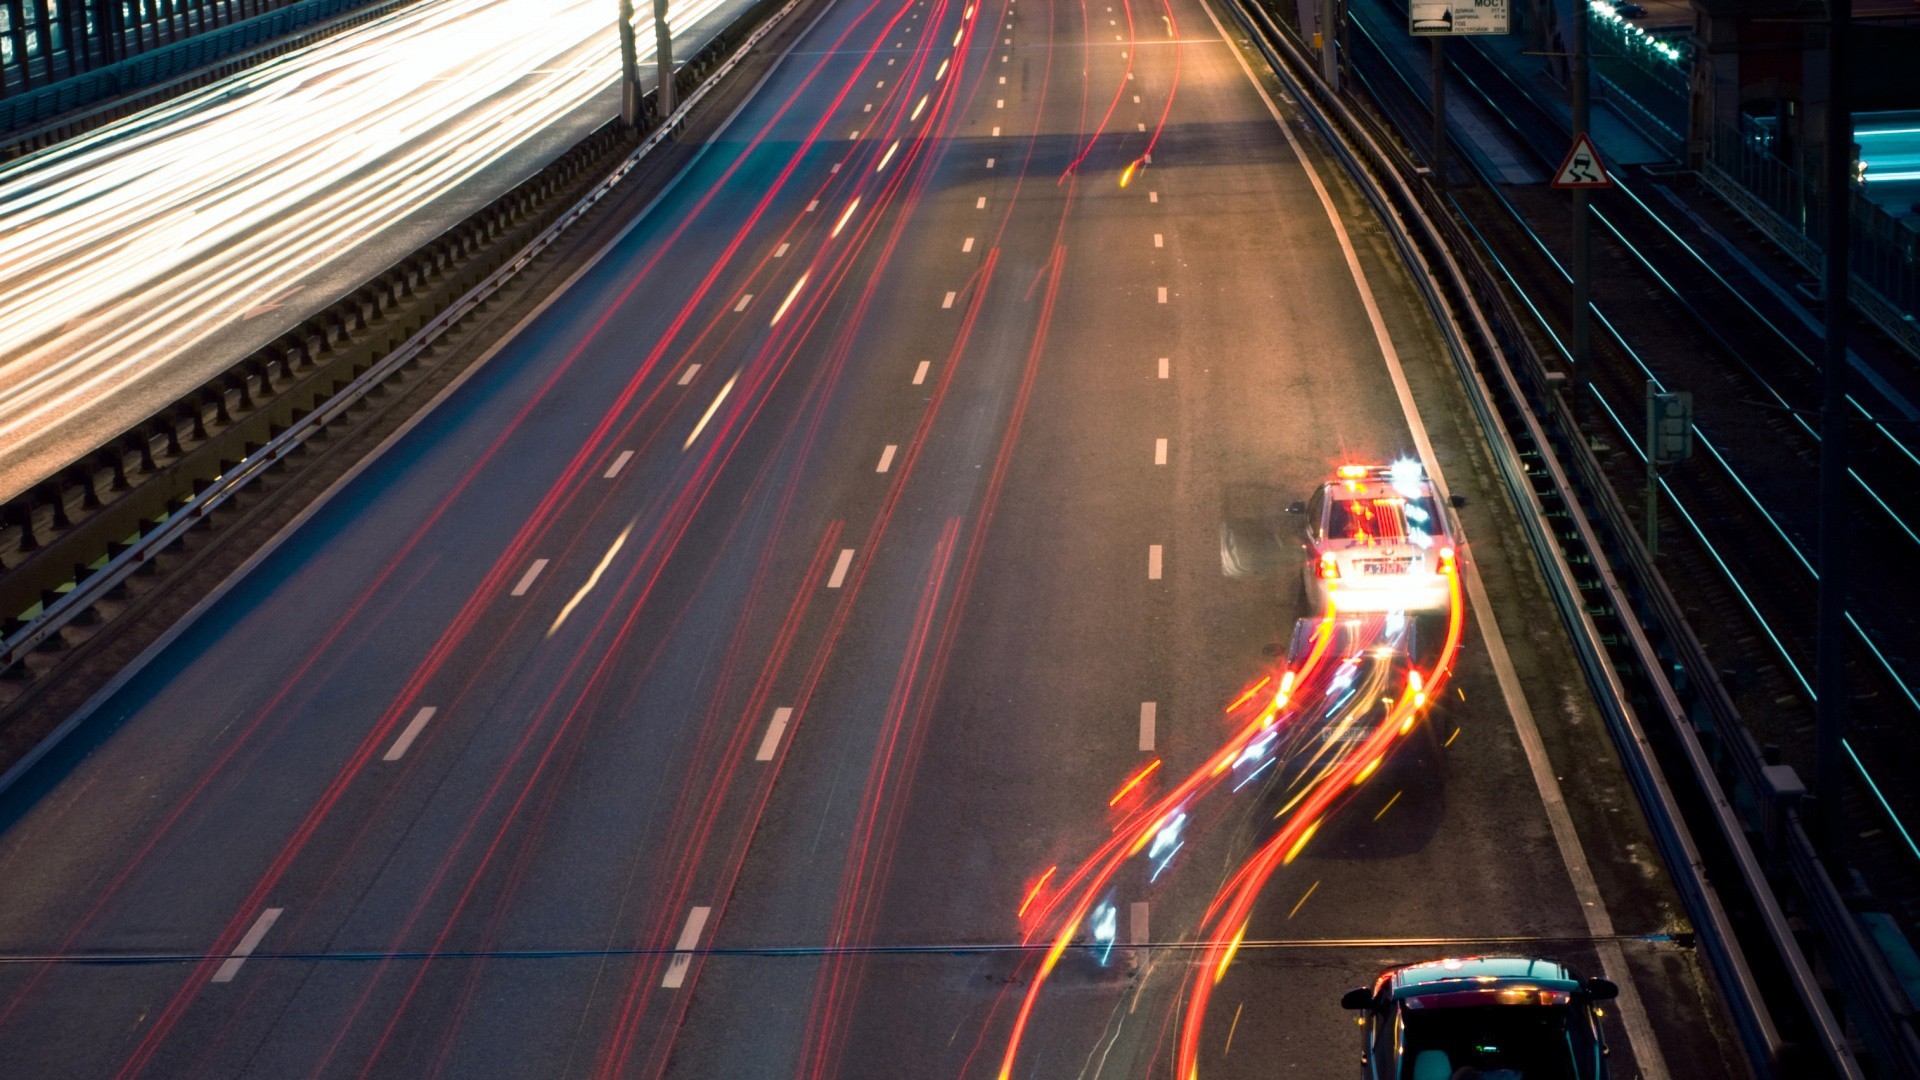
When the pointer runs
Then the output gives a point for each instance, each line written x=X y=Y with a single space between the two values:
x=1163 y=294
x=687 y=375
x=1163 y=367
x=781 y=251
x=682 y=957
x=1633 y=1016
x=839 y=575
x=1159 y=241
x=745 y=299
x=1149 y=714
x=414 y=726
x=886 y=458
x=1153 y=562
x=1159 y=451
x=920 y=373
x=980 y=203
x=526 y=579
x=967 y=245
x=1137 y=925
x=247 y=944
x=775 y=728
x=619 y=463
x=948 y=302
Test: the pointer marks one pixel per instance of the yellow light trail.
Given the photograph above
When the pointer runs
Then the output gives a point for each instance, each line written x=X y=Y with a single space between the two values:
x=713 y=408
x=784 y=304
x=592 y=579
x=842 y=223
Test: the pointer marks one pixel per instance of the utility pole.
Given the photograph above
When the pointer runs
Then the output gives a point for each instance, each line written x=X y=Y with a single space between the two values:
x=1582 y=247
x=1329 y=44
x=629 y=70
x=665 y=96
x=1440 y=111
x=1830 y=675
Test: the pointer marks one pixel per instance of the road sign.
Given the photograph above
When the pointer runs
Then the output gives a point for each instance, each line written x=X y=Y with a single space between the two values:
x=1669 y=426
x=1582 y=169
x=1451 y=18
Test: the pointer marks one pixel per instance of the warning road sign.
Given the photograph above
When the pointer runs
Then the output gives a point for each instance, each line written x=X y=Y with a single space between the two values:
x=1582 y=169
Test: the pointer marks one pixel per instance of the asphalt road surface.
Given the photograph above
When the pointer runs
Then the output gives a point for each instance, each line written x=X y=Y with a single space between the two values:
x=735 y=675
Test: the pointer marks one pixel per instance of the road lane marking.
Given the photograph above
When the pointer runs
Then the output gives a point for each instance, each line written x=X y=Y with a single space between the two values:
x=840 y=565
x=920 y=373
x=1136 y=99
x=1159 y=451
x=948 y=302
x=745 y=299
x=1633 y=1016
x=881 y=85
x=813 y=205
x=1137 y=924
x=687 y=375
x=989 y=163
x=775 y=728
x=1163 y=367
x=1159 y=241
x=526 y=579
x=413 y=729
x=996 y=131
x=967 y=245
x=886 y=458
x=619 y=463
x=868 y=107
x=781 y=251
x=1153 y=196
x=980 y=203
x=1003 y=80
x=717 y=399
x=1149 y=716
x=1142 y=126
x=855 y=134
x=1000 y=103
x=594 y=578
x=1163 y=294
x=1153 y=562
x=683 y=955
x=247 y=944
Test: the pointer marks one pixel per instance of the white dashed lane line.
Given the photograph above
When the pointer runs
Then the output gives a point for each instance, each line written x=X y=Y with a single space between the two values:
x=1159 y=451
x=247 y=944
x=1149 y=715
x=980 y=203
x=780 y=252
x=414 y=727
x=1164 y=364
x=619 y=463
x=745 y=299
x=1159 y=241
x=948 y=302
x=687 y=375
x=1153 y=563
x=683 y=951
x=886 y=458
x=967 y=244
x=839 y=576
x=527 y=579
x=775 y=728
x=1163 y=294
x=920 y=373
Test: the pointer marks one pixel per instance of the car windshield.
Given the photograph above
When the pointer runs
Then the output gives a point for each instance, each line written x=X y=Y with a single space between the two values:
x=1388 y=518
x=1503 y=1042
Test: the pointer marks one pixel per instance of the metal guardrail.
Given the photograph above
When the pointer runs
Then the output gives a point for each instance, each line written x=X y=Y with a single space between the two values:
x=1382 y=180
x=92 y=582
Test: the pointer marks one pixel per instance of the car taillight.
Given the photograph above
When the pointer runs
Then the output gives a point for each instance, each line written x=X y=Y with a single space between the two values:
x=1329 y=566
x=1446 y=560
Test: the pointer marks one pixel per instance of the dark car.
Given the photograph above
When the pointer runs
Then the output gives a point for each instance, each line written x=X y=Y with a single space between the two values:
x=1490 y=1017
x=1626 y=9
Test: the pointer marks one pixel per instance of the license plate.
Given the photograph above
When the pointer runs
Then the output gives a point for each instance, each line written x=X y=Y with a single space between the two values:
x=1383 y=566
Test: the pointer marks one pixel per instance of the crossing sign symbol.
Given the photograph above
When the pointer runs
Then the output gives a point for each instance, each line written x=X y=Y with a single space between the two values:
x=1582 y=169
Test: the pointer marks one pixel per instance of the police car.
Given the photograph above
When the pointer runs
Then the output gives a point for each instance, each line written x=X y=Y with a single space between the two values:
x=1377 y=541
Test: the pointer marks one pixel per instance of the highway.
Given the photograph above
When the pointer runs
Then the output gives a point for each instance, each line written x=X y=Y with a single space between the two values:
x=735 y=674
x=146 y=257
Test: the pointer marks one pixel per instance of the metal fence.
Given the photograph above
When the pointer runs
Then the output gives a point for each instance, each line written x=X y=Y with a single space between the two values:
x=1886 y=251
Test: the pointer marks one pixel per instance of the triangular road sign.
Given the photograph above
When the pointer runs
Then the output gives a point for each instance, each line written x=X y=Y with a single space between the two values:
x=1582 y=169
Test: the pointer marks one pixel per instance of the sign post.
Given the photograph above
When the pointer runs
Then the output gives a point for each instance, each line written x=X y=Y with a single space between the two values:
x=1440 y=20
x=1669 y=441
